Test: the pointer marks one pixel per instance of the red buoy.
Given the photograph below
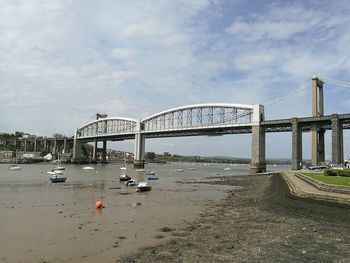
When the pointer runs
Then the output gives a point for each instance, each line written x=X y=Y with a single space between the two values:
x=99 y=204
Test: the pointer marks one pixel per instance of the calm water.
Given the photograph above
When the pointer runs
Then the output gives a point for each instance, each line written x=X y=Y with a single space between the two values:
x=40 y=221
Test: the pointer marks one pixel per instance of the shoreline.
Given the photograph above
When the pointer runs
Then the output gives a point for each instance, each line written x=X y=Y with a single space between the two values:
x=262 y=222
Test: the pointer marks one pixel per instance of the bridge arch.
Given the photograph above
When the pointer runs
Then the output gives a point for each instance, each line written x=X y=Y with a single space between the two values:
x=107 y=127
x=199 y=116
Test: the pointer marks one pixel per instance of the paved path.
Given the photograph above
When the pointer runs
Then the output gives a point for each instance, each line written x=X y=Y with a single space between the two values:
x=303 y=189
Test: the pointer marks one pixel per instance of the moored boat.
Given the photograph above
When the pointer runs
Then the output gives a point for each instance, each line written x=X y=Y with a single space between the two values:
x=131 y=182
x=143 y=187
x=124 y=177
x=15 y=167
x=55 y=172
x=152 y=177
x=57 y=179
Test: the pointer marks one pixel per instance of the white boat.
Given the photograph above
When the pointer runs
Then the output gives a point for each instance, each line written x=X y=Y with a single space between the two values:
x=143 y=187
x=131 y=182
x=15 y=167
x=179 y=170
x=89 y=167
x=55 y=172
x=227 y=169
x=124 y=176
x=59 y=164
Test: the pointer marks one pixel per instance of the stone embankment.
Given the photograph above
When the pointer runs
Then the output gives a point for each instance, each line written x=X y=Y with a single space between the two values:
x=306 y=187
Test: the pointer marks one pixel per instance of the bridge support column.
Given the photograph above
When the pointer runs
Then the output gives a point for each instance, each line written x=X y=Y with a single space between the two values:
x=76 y=148
x=337 y=140
x=139 y=157
x=25 y=145
x=104 y=152
x=297 y=151
x=94 y=152
x=258 y=163
x=317 y=148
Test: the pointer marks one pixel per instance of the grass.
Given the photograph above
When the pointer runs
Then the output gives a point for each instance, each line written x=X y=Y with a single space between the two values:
x=332 y=180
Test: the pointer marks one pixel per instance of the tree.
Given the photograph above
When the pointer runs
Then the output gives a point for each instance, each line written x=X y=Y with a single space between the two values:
x=150 y=155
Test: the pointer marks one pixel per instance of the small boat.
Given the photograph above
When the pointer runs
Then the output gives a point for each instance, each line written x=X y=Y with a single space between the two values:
x=15 y=167
x=55 y=172
x=88 y=168
x=143 y=187
x=124 y=177
x=131 y=182
x=59 y=166
x=140 y=170
x=227 y=169
x=152 y=177
x=150 y=173
x=179 y=170
x=57 y=179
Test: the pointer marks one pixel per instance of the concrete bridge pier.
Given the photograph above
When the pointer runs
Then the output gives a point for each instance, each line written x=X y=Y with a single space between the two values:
x=318 y=149
x=297 y=143
x=337 y=140
x=258 y=163
x=104 y=152
x=94 y=152
x=139 y=156
x=77 y=154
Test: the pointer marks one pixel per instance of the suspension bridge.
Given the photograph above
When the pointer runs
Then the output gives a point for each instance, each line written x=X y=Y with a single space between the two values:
x=222 y=118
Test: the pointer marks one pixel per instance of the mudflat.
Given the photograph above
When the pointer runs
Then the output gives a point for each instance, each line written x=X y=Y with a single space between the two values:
x=261 y=222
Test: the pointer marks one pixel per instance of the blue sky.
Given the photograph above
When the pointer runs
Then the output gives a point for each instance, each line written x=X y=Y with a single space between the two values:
x=63 y=61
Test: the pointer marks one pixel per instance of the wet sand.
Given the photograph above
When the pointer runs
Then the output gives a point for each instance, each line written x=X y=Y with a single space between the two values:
x=44 y=222
x=260 y=223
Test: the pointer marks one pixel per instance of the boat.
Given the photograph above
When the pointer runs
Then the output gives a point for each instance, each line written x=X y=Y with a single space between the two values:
x=143 y=187
x=152 y=177
x=150 y=173
x=89 y=167
x=131 y=182
x=227 y=169
x=124 y=177
x=55 y=172
x=59 y=166
x=179 y=170
x=57 y=179
x=15 y=167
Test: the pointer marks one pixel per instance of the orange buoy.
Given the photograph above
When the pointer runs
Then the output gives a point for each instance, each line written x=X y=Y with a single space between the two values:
x=99 y=204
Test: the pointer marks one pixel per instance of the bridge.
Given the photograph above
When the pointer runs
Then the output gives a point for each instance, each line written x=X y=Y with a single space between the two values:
x=218 y=119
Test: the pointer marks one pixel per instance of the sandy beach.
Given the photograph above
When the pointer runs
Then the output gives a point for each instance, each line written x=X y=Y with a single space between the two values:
x=260 y=223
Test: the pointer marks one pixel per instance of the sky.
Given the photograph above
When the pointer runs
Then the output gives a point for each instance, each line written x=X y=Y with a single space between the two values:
x=62 y=61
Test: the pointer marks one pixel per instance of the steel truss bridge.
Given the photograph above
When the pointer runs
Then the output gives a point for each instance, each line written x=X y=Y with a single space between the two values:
x=192 y=120
x=214 y=119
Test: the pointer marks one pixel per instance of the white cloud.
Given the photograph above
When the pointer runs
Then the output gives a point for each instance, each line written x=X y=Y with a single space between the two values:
x=282 y=22
x=123 y=53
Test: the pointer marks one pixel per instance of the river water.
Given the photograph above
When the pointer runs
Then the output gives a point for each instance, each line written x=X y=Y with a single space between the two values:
x=41 y=221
